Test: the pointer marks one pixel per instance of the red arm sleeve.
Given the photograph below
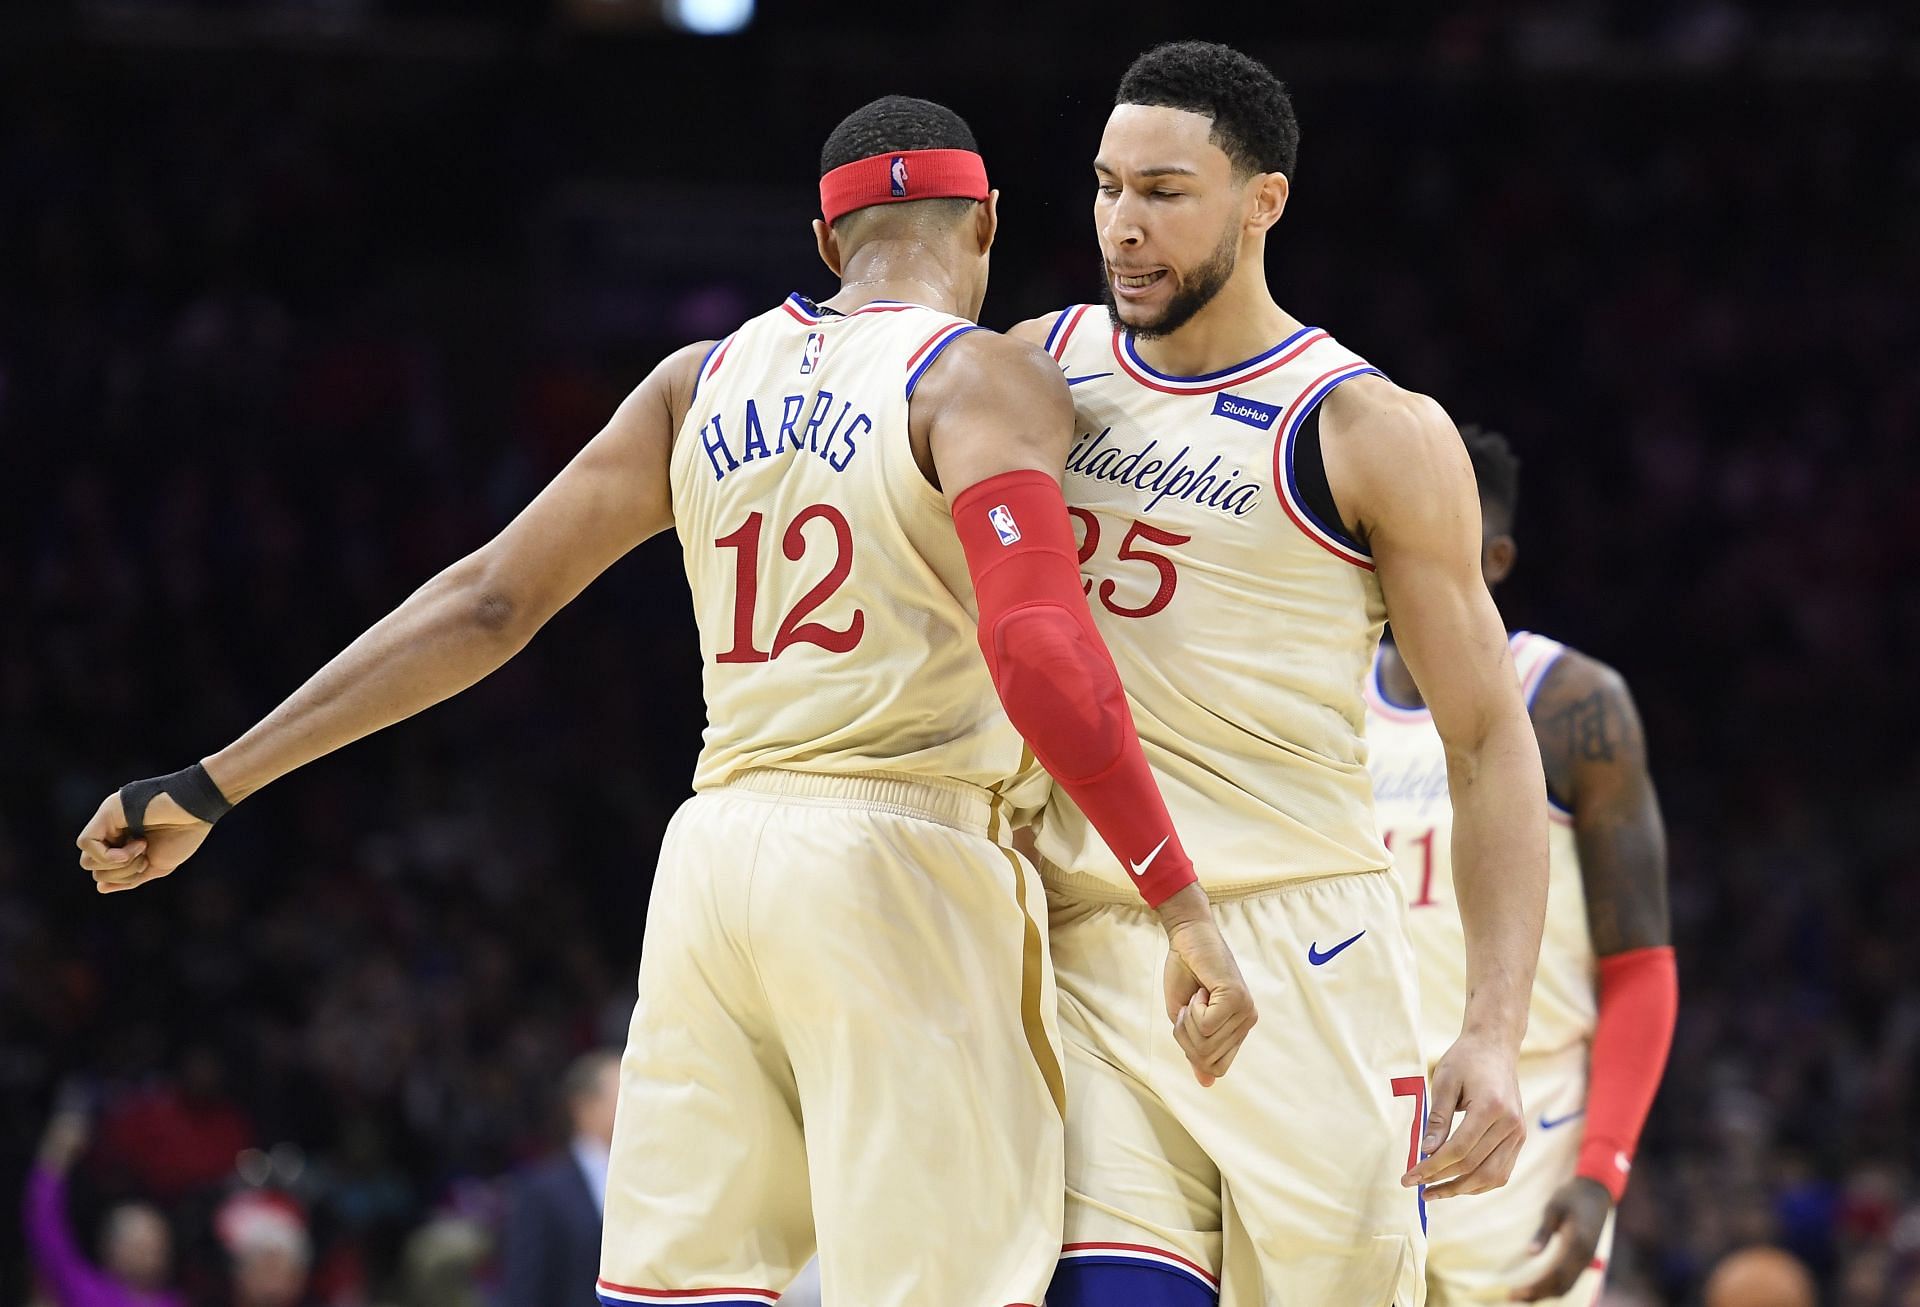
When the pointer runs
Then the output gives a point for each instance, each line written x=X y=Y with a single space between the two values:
x=1639 y=1002
x=1054 y=675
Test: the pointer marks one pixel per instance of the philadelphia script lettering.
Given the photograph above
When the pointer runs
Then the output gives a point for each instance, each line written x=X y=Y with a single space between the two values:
x=1174 y=476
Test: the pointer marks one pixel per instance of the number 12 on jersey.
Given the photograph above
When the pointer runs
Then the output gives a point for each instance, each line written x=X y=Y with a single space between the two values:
x=793 y=630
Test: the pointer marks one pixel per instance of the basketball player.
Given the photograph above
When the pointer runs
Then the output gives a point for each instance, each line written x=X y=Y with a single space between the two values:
x=839 y=934
x=1605 y=997
x=1254 y=500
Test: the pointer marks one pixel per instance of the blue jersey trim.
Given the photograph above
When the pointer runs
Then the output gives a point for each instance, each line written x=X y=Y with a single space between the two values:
x=700 y=375
x=1059 y=321
x=1546 y=670
x=1134 y=354
x=1294 y=424
x=933 y=354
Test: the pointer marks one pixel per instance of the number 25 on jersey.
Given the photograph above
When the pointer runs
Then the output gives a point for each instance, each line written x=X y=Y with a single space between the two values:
x=1129 y=552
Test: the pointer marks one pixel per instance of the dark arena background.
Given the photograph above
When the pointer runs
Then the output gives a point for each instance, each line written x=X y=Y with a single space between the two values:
x=301 y=299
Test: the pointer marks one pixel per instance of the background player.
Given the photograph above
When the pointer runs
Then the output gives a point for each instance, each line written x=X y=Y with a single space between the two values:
x=1605 y=997
x=1254 y=500
x=838 y=933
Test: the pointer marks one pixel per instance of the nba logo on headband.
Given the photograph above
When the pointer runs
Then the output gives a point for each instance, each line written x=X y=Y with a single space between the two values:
x=901 y=177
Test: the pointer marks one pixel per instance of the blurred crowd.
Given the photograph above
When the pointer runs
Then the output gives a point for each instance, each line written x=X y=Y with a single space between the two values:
x=280 y=339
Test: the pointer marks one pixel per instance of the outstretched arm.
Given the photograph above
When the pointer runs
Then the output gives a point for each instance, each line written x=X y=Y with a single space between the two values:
x=56 y=1253
x=450 y=633
x=1400 y=474
x=1596 y=763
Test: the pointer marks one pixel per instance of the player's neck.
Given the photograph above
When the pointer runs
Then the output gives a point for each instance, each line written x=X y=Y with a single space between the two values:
x=1242 y=321
x=906 y=271
x=1396 y=682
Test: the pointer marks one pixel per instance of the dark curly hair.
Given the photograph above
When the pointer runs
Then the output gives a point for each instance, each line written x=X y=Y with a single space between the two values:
x=1496 y=467
x=1252 y=116
x=894 y=123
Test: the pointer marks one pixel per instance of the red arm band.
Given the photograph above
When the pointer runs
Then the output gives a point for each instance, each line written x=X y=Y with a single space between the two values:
x=1639 y=1000
x=1054 y=674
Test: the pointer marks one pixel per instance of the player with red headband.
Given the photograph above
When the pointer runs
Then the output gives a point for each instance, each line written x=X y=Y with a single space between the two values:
x=1606 y=996
x=1255 y=501
x=846 y=1029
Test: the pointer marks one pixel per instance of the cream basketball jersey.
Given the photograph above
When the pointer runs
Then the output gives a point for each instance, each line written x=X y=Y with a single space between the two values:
x=835 y=609
x=1409 y=769
x=1242 y=625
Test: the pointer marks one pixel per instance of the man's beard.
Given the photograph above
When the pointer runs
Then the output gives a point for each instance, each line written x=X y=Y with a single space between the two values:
x=1195 y=294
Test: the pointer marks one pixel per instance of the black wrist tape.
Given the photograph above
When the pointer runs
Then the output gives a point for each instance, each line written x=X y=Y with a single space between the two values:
x=192 y=789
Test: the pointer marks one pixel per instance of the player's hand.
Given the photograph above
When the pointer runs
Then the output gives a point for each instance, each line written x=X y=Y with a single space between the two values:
x=1477 y=1076
x=1575 y=1217
x=1207 y=998
x=65 y=1139
x=119 y=863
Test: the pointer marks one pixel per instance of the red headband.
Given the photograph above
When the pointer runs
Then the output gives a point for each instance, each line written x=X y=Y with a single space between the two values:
x=906 y=175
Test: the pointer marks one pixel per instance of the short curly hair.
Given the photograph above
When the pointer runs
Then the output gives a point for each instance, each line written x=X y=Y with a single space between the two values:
x=1496 y=467
x=1252 y=114
x=891 y=124
x=894 y=123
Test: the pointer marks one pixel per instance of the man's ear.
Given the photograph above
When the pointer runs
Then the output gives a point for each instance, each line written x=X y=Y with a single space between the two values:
x=827 y=242
x=986 y=220
x=1268 y=192
x=1497 y=557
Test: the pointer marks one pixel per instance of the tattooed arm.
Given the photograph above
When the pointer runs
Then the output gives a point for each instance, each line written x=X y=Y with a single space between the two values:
x=1595 y=758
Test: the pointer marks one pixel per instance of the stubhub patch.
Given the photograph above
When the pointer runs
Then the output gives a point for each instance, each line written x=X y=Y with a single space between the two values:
x=1250 y=411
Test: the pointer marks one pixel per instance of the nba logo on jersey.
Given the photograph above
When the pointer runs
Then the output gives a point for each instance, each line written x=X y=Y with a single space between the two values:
x=810 y=356
x=897 y=170
x=1003 y=525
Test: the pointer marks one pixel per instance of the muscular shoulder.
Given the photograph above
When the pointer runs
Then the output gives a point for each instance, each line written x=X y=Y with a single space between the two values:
x=673 y=381
x=990 y=403
x=984 y=369
x=1584 y=716
x=1376 y=427
x=1575 y=676
x=1392 y=453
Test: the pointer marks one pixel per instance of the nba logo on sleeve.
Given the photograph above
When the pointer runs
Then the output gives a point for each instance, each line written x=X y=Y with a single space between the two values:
x=810 y=356
x=897 y=171
x=1003 y=524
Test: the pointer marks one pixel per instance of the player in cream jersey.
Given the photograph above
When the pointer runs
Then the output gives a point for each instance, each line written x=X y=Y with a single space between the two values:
x=844 y=985
x=1604 y=997
x=1242 y=637
x=1255 y=500
x=822 y=396
x=1409 y=767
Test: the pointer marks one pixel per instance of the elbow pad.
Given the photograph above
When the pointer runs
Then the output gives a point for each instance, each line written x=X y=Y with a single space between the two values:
x=1054 y=675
